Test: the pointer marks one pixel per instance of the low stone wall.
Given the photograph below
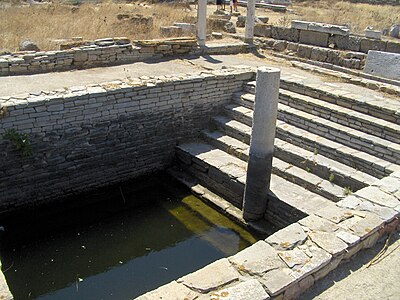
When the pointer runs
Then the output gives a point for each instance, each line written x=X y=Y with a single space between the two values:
x=54 y=144
x=102 y=52
x=290 y=261
x=348 y=59
x=324 y=39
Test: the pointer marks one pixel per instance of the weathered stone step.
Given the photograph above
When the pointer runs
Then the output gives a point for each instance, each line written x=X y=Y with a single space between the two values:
x=293 y=113
x=341 y=115
x=238 y=138
x=281 y=168
x=357 y=159
x=344 y=116
x=382 y=108
x=222 y=172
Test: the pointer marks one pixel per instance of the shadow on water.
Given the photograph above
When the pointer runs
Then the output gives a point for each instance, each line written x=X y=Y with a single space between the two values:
x=128 y=240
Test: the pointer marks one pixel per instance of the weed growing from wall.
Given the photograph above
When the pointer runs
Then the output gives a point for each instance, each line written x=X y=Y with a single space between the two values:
x=19 y=141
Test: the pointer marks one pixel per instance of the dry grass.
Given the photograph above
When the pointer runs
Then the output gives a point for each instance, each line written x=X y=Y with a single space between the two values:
x=43 y=23
x=358 y=16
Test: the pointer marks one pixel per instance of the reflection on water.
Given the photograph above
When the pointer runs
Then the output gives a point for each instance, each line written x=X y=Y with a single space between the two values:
x=116 y=250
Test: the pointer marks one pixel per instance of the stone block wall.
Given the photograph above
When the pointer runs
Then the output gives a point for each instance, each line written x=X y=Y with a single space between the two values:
x=324 y=38
x=348 y=59
x=85 y=137
x=102 y=52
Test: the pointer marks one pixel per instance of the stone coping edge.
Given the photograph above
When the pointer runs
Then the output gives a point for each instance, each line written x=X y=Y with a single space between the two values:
x=291 y=260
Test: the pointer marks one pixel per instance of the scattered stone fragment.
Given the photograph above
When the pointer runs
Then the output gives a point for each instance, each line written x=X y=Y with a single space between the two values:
x=257 y=259
x=217 y=35
x=28 y=46
x=287 y=238
x=211 y=276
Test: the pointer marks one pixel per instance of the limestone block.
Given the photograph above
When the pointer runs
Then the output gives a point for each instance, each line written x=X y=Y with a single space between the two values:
x=279 y=46
x=186 y=27
x=362 y=227
x=211 y=276
x=348 y=238
x=304 y=51
x=319 y=54
x=80 y=56
x=315 y=223
x=350 y=42
x=3 y=63
x=170 y=31
x=388 y=184
x=303 y=25
x=318 y=258
x=383 y=64
x=247 y=290
x=376 y=195
x=171 y=291
x=371 y=44
x=314 y=38
x=329 y=242
x=257 y=259
x=262 y=30
x=320 y=27
x=284 y=33
x=294 y=257
x=393 y=47
x=372 y=34
x=288 y=237
x=395 y=31
x=276 y=281
x=217 y=35
x=335 y=214
x=292 y=47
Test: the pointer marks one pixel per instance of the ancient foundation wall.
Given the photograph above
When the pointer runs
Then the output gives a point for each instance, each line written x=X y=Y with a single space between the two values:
x=82 y=138
x=102 y=52
x=338 y=41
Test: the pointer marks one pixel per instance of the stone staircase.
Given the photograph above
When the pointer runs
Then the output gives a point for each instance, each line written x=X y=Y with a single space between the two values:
x=326 y=147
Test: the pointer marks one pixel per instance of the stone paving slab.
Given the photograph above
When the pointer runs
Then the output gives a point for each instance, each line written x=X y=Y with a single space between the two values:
x=213 y=276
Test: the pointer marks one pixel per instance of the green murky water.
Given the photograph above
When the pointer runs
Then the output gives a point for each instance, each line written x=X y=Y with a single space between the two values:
x=115 y=249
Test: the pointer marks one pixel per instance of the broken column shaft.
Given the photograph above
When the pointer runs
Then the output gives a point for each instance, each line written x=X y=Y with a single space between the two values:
x=262 y=143
x=201 y=22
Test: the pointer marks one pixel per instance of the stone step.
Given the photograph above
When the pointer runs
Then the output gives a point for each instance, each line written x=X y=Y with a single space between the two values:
x=222 y=172
x=353 y=138
x=345 y=116
x=238 y=138
x=351 y=157
x=281 y=168
x=373 y=105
